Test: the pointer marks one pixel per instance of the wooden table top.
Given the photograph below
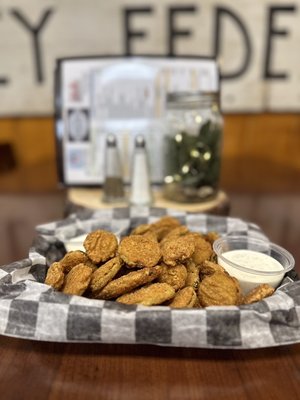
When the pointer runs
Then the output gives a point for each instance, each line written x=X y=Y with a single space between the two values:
x=42 y=370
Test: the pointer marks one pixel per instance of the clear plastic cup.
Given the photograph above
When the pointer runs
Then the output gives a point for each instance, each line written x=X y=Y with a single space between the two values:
x=253 y=261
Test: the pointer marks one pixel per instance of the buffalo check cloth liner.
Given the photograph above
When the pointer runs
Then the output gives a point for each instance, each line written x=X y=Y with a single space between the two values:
x=32 y=310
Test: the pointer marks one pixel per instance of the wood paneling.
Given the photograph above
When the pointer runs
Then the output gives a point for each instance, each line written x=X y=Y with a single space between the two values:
x=33 y=145
x=260 y=152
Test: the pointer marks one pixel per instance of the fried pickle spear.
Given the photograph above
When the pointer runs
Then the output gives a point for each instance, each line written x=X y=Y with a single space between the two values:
x=154 y=294
x=139 y=251
x=55 y=276
x=77 y=280
x=104 y=274
x=100 y=245
x=126 y=283
x=258 y=293
x=219 y=289
x=184 y=298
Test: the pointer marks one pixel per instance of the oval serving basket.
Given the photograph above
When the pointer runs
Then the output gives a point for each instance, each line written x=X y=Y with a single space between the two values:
x=30 y=309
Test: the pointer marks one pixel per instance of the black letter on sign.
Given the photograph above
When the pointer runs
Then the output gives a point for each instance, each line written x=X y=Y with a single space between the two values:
x=248 y=50
x=129 y=33
x=173 y=32
x=35 y=30
x=268 y=74
x=3 y=79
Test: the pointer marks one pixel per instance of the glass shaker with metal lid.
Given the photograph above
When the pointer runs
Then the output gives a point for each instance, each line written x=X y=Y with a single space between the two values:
x=193 y=139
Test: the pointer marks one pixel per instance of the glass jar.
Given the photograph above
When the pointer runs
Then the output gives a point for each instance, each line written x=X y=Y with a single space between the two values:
x=194 y=131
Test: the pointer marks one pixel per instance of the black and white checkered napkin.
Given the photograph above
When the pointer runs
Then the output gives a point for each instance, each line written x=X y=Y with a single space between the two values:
x=30 y=309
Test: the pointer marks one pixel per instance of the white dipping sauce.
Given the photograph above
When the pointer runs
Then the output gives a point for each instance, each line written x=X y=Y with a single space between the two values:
x=252 y=260
x=75 y=243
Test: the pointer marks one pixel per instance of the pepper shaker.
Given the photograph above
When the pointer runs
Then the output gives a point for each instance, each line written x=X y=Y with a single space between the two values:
x=113 y=187
x=140 y=193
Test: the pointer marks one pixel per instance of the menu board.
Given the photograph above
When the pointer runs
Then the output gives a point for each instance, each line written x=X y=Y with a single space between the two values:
x=124 y=96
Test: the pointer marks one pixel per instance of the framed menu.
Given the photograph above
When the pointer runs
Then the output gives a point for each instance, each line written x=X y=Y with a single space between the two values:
x=126 y=96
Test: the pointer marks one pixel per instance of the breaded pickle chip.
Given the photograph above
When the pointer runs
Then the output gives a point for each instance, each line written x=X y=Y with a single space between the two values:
x=105 y=274
x=176 y=251
x=100 y=245
x=211 y=236
x=77 y=280
x=139 y=251
x=174 y=276
x=176 y=233
x=219 y=289
x=210 y=268
x=128 y=282
x=258 y=293
x=159 y=263
x=55 y=276
x=184 y=298
x=203 y=249
x=73 y=258
x=141 y=229
x=192 y=278
x=164 y=225
x=154 y=294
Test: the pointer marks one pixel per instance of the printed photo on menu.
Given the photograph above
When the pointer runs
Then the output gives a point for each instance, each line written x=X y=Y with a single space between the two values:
x=78 y=125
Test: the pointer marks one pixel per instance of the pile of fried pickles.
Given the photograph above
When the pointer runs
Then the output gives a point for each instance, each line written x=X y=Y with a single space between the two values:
x=163 y=263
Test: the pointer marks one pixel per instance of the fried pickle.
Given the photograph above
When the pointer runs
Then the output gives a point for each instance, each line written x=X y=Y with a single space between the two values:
x=55 y=276
x=126 y=283
x=211 y=236
x=177 y=251
x=174 y=276
x=145 y=230
x=192 y=278
x=188 y=276
x=100 y=245
x=209 y=268
x=154 y=294
x=139 y=251
x=203 y=249
x=184 y=298
x=73 y=258
x=219 y=289
x=77 y=280
x=258 y=293
x=164 y=225
x=141 y=229
x=104 y=274
x=151 y=235
x=175 y=233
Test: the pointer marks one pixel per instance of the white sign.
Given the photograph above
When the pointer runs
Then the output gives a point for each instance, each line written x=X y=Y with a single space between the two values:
x=256 y=41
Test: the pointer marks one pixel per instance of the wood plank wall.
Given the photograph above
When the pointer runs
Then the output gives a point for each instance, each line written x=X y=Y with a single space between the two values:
x=261 y=152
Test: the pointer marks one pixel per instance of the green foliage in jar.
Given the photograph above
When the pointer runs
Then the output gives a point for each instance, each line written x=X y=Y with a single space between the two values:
x=194 y=160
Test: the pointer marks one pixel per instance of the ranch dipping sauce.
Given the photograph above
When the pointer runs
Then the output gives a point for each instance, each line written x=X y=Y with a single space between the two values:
x=75 y=243
x=252 y=260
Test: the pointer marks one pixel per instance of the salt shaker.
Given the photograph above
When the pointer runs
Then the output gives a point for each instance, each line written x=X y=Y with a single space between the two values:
x=141 y=193
x=113 y=188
